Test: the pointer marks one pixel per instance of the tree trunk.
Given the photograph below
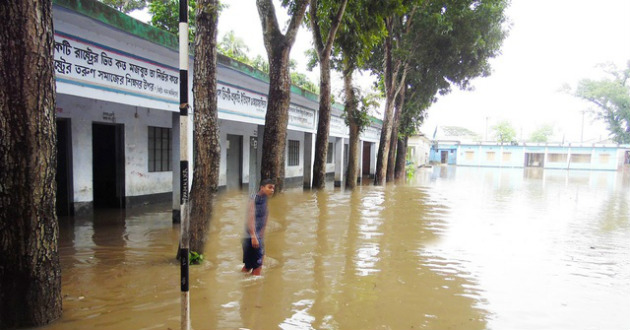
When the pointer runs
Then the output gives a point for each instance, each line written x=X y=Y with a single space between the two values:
x=391 y=162
x=323 y=125
x=277 y=117
x=206 y=133
x=323 y=47
x=386 y=129
x=401 y=159
x=352 y=173
x=30 y=274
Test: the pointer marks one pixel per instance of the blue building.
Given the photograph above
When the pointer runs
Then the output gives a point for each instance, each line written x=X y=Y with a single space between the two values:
x=549 y=156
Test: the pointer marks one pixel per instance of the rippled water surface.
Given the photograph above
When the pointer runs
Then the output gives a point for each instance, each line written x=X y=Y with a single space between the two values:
x=456 y=248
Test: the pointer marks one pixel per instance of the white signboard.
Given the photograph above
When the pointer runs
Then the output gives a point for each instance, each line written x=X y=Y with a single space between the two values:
x=239 y=101
x=338 y=127
x=82 y=62
x=372 y=133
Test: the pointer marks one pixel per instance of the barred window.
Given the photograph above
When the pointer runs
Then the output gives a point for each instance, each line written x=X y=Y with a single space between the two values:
x=604 y=158
x=160 y=153
x=557 y=158
x=470 y=155
x=294 y=153
x=580 y=158
x=490 y=156
x=331 y=152
x=507 y=156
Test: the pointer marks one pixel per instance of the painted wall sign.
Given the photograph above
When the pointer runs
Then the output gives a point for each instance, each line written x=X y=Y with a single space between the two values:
x=238 y=101
x=82 y=62
x=338 y=126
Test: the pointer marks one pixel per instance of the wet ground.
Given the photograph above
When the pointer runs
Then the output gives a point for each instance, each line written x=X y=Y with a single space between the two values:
x=456 y=248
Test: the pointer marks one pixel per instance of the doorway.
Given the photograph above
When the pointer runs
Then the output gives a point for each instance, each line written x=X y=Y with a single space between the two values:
x=534 y=159
x=234 y=161
x=108 y=167
x=367 y=151
x=65 y=187
x=444 y=157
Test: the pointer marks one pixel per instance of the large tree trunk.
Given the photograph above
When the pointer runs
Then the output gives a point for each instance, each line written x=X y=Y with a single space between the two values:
x=206 y=133
x=323 y=125
x=30 y=275
x=352 y=173
x=277 y=117
x=323 y=47
x=386 y=129
x=391 y=162
x=401 y=159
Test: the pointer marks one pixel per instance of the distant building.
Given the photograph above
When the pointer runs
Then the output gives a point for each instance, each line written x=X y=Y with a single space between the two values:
x=544 y=155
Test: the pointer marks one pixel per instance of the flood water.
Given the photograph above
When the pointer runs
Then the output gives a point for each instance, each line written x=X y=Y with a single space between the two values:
x=456 y=248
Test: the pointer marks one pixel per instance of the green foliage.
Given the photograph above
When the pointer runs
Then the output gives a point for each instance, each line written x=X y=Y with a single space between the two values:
x=126 y=6
x=612 y=98
x=195 y=258
x=165 y=15
x=361 y=117
x=504 y=132
x=302 y=81
x=542 y=134
x=233 y=46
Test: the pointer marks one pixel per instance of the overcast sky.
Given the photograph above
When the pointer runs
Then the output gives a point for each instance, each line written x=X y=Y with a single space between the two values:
x=551 y=42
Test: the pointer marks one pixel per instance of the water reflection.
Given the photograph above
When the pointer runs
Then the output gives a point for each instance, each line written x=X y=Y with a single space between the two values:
x=457 y=248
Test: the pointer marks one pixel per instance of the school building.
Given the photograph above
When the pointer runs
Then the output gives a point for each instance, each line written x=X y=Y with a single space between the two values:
x=117 y=83
x=571 y=156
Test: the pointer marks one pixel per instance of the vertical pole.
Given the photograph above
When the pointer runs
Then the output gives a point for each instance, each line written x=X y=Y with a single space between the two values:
x=183 y=167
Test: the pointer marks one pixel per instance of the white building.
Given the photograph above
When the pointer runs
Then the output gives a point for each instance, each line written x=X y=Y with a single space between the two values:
x=118 y=118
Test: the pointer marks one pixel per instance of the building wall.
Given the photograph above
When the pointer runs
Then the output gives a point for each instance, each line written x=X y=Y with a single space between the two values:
x=581 y=157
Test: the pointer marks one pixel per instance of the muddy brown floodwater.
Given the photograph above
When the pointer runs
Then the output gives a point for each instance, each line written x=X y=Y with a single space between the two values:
x=456 y=248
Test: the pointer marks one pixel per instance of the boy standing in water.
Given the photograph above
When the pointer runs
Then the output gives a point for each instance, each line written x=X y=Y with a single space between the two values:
x=253 y=242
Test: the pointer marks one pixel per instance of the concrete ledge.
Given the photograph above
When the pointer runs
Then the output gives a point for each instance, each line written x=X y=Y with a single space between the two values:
x=135 y=201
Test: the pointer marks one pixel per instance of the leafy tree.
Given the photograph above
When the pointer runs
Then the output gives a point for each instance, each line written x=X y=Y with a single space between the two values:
x=448 y=43
x=278 y=46
x=206 y=133
x=261 y=64
x=233 y=46
x=126 y=6
x=30 y=274
x=542 y=134
x=612 y=98
x=165 y=15
x=504 y=132
x=324 y=18
x=362 y=29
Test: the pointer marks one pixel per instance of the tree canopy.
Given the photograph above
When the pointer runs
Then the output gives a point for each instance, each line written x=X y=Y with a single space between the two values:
x=542 y=134
x=126 y=6
x=504 y=132
x=612 y=98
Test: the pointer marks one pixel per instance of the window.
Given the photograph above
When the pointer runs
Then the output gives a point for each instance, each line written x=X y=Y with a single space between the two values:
x=580 y=158
x=470 y=155
x=557 y=158
x=507 y=156
x=294 y=153
x=331 y=152
x=490 y=156
x=604 y=158
x=160 y=153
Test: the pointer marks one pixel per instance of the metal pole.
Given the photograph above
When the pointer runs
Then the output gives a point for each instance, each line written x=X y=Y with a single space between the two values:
x=183 y=164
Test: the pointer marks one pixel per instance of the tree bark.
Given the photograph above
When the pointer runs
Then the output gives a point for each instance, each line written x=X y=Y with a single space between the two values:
x=393 y=149
x=277 y=117
x=401 y=159
x=30 y=274
x=206 y=133
x=352 y=173
x=324 y=49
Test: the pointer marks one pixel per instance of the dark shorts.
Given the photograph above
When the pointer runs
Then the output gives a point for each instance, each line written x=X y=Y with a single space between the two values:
x=252 y=257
